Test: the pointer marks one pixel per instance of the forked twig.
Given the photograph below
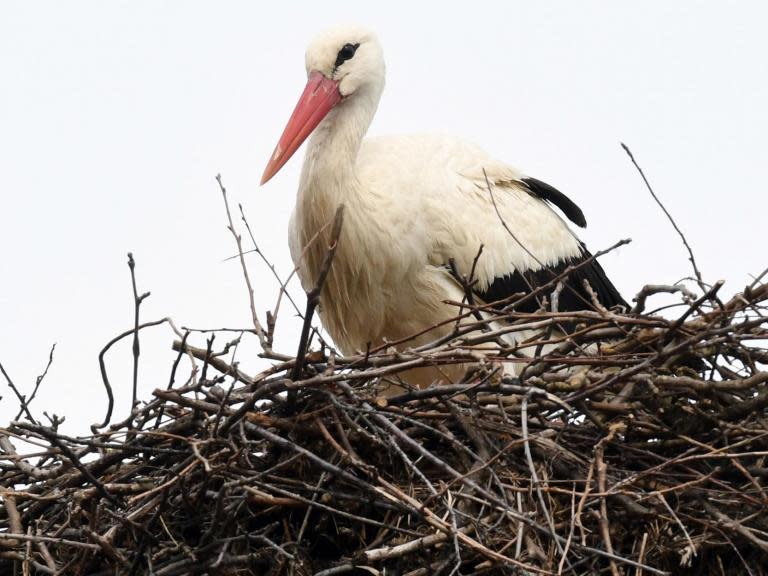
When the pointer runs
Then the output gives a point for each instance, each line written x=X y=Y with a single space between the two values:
x=239 y=242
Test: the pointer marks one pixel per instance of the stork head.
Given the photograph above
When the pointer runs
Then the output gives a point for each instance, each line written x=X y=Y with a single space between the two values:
x=343 y=64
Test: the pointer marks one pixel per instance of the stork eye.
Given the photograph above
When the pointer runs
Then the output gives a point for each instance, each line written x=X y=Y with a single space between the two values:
x=347 y=51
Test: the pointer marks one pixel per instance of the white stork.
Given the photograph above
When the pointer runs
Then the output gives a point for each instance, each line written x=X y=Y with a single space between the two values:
x=413 y=204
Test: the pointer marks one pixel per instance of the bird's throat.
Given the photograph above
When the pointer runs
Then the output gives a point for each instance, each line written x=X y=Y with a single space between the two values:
x=331 y=158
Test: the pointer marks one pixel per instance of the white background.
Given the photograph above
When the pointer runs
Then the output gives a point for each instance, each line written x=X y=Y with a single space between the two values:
x=116 y=116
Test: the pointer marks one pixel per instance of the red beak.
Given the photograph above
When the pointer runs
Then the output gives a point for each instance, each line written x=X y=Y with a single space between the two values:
x=320 y=96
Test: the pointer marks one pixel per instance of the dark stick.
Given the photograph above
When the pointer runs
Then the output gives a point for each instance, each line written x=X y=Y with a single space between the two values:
x=172 y=378
x=137 y=300
x=103 y=367
x=19 y=395
x=467 y=284
x=38 y=381
x=313 y=296
x=207 y=359
x=673 y=328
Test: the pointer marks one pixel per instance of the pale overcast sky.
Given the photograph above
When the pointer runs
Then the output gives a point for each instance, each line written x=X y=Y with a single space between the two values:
x=116 y=116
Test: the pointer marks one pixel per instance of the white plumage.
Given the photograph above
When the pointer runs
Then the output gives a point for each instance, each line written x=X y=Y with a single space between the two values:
x=412 y=204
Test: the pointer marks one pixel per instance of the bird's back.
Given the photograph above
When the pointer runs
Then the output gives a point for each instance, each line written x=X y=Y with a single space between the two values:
x=438 y=186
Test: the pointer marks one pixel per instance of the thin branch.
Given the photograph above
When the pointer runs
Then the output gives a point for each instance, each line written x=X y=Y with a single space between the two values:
x=313 y=296
x=669 y=216
x=137 y=300
x=103 y=368
x=19 y=395
x=239 y=242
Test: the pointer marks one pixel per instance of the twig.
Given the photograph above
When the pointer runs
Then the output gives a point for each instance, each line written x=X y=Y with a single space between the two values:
x=651 y=289
x=19 y=396
x=38 y=381
x=103 y=368
x=269 y=265
x=600 y=467
x=313 y=296
x=239 y=242
x=534 y=474
x=137 y=300
x=669 y=216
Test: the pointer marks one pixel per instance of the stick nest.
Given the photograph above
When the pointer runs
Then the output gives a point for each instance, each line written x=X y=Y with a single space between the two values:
x=637 y=445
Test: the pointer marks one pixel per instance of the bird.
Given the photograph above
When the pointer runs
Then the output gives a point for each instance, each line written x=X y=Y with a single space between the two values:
x=421 y=212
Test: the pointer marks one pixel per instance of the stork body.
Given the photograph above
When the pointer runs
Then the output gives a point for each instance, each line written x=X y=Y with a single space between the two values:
x=413 y=204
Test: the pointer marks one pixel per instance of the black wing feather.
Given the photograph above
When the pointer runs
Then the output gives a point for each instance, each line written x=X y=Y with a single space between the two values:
x=573 y=297
x=551 y=194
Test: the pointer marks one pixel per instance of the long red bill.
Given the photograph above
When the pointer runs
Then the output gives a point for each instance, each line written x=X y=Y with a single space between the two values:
x=320 y=96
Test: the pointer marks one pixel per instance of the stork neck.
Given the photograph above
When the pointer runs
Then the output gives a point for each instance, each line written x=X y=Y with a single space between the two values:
x=330 y=162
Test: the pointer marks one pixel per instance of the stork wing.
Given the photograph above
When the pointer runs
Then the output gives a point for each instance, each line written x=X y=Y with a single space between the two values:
x=572 y=297
x=451 y=198
x=522 y=205
x=585 y=268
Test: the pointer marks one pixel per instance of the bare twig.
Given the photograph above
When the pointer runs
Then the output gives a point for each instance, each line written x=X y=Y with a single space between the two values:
x=137 y=300
x=239 y=242
x=669 y=216
x=38 y=381
x=313 y=296
x=103 y=367
x=19 y=395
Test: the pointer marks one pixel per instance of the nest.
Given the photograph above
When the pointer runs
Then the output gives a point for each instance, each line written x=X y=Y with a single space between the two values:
x=636 y=445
